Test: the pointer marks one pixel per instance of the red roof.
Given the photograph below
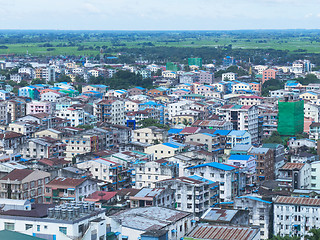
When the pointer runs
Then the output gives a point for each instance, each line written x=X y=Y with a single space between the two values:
x=100 y=195
x=190 y=130
x=17 y=174
x=66 y=182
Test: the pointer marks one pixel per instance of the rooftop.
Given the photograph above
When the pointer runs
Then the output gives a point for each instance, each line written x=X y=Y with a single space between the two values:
x=149 y=218
x=297 y=201
x=218 y=232
x=216 y=165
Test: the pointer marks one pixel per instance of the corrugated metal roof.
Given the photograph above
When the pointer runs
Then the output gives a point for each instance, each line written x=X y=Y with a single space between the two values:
x=223 y=232
x=297 y=201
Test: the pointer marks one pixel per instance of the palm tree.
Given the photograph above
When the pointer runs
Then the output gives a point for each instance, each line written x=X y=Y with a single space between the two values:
x=314 y=234
x=185 y=122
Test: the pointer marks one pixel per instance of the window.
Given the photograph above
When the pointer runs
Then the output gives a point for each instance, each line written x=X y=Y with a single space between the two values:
x=63 y=230
x=9 y=226
x=38 y=228
x=28 y=226
x=221 y=175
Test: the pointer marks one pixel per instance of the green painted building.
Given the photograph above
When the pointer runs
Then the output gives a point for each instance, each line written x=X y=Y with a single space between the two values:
x=290 y=116
x=11 y=235
x=195 y=61
x=170 y=66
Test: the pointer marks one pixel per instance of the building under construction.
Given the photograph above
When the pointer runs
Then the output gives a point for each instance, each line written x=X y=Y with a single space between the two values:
x=290 y=116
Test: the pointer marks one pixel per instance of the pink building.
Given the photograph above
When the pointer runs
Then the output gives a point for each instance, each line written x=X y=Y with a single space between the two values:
x=38 y=107
x=268 y=74
x=307 y=123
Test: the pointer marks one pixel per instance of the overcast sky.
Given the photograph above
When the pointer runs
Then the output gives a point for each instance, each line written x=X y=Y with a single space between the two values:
x=159 y=15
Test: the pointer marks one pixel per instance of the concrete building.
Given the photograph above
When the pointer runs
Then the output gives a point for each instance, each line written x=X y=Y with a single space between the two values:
x=148 y=173
x=264 y=163
x=242 y=117
x=24 y=184
x=295 y=216
x=136 y=221
x=218 y=172
x=191 y=194
x=152 y=135
x=38 y=107
x=62 y=189
x=65 y=222
x=260 y=213
x=75 y=116
x=110 y=111
x=164 y=150
x=295 y=176
x=229 y=76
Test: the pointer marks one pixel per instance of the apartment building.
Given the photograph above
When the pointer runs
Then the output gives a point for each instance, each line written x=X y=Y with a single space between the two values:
x=75 y=116
x=152 y=135
x=242 y=118
x=260 y=213
x=110 y=111
x=192 y=194
x=295 y=215
x=62 y=189
x=148 y=173
x=43 y=147
x=226 y=175
x=24 y=184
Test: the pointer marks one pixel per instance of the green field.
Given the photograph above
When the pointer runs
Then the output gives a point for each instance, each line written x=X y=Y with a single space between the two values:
x=306 y=42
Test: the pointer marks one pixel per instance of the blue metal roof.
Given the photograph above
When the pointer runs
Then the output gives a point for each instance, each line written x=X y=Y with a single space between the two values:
x=255 y=198
x=174 y=131
x=208 y=134
x=240 y=157
x=220 y=166
x=222 y=132
x=170 y=145
x=201 y=179
x=237 y=132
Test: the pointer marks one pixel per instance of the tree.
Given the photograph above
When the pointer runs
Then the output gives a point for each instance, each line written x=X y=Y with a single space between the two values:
x=185 y=122
x=38 y=81
x=152 y=122
x=285 y=238
x=274 y=138
x=314 y=234
x=271 y=85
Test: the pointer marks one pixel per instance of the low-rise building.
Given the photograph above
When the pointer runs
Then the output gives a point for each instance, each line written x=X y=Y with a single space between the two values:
x=260 y=213
x=295 y=215
x=24 y=184
x=62 y=189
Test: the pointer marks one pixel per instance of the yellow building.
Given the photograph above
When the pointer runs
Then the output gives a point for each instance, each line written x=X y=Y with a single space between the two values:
x=164 y=150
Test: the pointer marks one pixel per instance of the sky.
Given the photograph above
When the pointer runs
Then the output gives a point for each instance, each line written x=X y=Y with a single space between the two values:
x=159 y=15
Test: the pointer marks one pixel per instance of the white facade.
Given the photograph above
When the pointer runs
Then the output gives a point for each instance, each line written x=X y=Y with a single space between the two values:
x=315 y=175
x=229 y=76
x=295 y=215
x=76 y=117
x=174 y=108
x=51 y=96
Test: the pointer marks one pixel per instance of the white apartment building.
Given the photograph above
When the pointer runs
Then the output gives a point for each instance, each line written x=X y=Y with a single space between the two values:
x=229 y=76
x=151 y=135
x=51 y=96
x=191 y=195
x=148 y=173
x=174 y=108
x=312 y=111
x=66 y=222
x=111 y=111
x=99 y=168
x=242 y=118
x=260 y=68
x=315 y=175
x=241 y=87
x=260 y=212
x=75 y=116
x=295 y=216
x=131 y=105
x=218 y=172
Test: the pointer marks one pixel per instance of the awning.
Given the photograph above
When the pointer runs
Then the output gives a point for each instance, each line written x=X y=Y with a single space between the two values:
x=117 y=233
x=67 y=198
x=124 y=237
x=173 y=230
x=71 y=189
x=193 y=221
